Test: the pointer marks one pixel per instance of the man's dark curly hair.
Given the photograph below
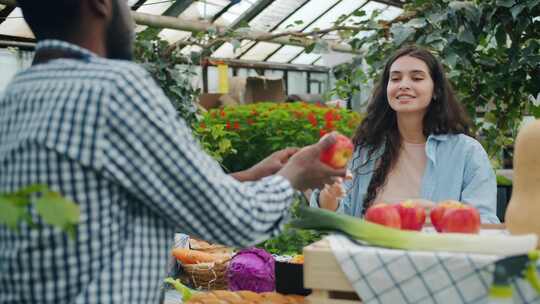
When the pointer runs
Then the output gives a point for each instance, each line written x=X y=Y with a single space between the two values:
x=50 y=18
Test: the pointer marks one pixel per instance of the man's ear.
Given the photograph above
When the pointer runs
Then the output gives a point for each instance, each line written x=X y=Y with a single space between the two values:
x=102 y=8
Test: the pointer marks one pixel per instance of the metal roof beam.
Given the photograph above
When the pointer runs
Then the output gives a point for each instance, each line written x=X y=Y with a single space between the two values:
x=197 y=26
x=396 y=3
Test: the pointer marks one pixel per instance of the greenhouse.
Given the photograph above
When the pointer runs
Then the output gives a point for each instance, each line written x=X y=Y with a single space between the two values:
x=269 y=151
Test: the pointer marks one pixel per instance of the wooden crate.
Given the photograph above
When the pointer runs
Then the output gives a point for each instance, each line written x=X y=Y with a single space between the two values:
x=324 y=276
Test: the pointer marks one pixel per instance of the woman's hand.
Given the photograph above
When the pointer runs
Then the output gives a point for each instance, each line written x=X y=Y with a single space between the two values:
x=331 y=194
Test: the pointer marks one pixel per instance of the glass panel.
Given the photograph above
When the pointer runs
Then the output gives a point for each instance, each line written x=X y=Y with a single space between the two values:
x=345 y=7
x=14 y=25
x=234 y=12
x=307 y=14
x=368 y=8
x=306 y=58
x=261 y=51
x=173 y=35
x=273 y=73
x=226 y=50
x=8 y=62
x=286 y=53
x=153 y=7
x=274 y=14
x=297 y=82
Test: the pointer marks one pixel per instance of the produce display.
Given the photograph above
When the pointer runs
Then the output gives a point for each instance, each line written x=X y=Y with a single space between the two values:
x=379 y=235
x=447 y=216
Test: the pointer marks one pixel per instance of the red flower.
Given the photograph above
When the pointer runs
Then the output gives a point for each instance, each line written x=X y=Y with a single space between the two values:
x=228 y=125
x=250 y=121
x=213 y=114
x=254 y=112
x=329 y=125
x=222 y=113
x=312 y=119
x=329 y=116
x=236 y=125
x=202 y=125
x=322 y=132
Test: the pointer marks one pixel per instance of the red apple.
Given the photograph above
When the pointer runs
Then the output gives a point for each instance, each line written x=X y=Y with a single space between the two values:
x=337 y=155
x=384 y=214
x=412 y=215
x=436 y=214
x=465 y=219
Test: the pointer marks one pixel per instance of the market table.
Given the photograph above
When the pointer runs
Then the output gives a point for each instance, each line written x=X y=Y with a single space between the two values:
x=381 y=275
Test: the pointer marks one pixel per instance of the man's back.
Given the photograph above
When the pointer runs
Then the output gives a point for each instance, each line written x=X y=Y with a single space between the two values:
x=50 y=125
x=103 y=134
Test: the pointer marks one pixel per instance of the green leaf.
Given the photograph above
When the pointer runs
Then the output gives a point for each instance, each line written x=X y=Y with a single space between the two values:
x=436 y=18
x=465 y=35
x=310 y=47
x=236 y=44
x=58 y=211
x=11 y=214
x=401 y=33
x=299 y=22
x=416 y=23
x=506 y=3
x=516 y=10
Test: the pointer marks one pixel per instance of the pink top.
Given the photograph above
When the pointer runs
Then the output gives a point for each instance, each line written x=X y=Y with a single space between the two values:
x=405 y=180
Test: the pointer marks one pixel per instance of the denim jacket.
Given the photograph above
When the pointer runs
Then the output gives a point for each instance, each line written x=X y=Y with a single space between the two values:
x=457 y=168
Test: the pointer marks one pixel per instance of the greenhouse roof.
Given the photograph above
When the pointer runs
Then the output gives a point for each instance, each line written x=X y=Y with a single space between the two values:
x=261 y=15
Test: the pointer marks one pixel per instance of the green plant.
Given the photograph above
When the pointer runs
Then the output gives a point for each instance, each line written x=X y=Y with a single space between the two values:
x=291 y=240
x=491 y=49
x=160 y=59
x=257 y=130
x=49 y=205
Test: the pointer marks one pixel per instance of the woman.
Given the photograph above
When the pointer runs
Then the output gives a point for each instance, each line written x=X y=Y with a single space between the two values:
x=414 y=144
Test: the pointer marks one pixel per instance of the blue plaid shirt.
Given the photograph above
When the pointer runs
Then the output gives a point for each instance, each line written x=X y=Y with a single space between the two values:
x=103 y=134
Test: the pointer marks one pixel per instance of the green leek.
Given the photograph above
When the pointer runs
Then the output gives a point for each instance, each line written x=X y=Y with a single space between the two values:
x=378 y=235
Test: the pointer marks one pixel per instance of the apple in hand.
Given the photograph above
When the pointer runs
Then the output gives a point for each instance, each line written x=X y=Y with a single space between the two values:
x=412 y=215
x=337 y=155
x=464 y=219
x=436 y=214
x=384 y=214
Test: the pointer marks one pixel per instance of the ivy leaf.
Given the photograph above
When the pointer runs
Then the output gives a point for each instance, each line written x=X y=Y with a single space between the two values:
x=416 y=23
x=465 y=35
x=236 y=44
x=58 y=211
x=401 y=33
x=11 y=214
x=436 y=18
x=516 y=10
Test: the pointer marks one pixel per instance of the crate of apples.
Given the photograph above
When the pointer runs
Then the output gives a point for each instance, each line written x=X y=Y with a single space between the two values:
x=447 y=216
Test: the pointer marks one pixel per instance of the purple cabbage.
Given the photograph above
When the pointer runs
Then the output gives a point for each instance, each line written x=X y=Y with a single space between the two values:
x=252 y=269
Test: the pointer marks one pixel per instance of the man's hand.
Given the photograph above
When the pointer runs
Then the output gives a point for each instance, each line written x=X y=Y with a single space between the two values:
x=267 y=166
x=305 y=170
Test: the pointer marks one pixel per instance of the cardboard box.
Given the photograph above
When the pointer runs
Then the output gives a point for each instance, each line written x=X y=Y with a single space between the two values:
x=264 y=89
x=244 y=90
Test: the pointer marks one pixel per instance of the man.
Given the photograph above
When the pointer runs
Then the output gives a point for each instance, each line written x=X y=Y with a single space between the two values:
x=104 y=135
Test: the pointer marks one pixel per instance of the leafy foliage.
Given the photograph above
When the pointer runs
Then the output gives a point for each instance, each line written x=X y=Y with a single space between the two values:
x=291 y=241
x=491 y=49
x=257 y=130
x=160 y=59
x=51 y=206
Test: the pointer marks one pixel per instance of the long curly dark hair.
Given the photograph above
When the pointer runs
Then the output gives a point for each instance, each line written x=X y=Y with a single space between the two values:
x=444 y=115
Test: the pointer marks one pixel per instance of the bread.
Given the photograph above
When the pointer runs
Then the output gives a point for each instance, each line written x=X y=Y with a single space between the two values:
x=243 y=297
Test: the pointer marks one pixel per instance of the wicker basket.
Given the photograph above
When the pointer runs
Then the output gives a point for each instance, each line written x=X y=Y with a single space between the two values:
x=209 y=276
